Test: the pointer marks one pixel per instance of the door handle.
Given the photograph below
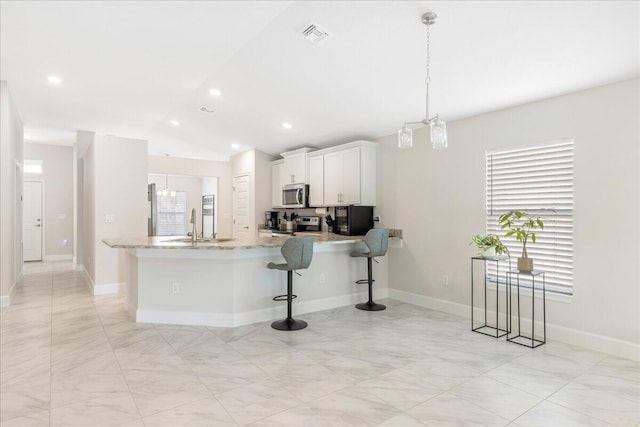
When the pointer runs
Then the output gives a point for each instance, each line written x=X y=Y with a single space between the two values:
x=299 y=196
x=246 y=227
x=37 y=225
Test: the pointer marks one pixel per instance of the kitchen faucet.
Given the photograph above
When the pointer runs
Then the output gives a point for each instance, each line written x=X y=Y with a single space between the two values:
x=194 y=231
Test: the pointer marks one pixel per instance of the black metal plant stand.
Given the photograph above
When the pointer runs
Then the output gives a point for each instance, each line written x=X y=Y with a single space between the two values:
x=528 y=341
x=485 y=328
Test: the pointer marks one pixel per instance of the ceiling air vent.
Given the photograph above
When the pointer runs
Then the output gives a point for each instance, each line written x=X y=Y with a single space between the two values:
x=206 y=110
x=314 y=33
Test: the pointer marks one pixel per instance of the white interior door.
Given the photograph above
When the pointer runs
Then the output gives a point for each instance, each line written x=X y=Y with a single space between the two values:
x=241 y=194
x=32 y=221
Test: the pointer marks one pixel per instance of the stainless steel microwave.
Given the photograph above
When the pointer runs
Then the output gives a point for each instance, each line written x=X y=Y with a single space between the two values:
x=295 y=196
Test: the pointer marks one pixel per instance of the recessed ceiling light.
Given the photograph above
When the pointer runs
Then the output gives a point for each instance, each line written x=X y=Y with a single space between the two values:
x=174 y=123
x=215 y=92
x=54 y=80
x=235 y=146
x=286 y=125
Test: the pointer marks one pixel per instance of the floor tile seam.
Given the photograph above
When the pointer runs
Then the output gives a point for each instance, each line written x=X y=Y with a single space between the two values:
x=169 y=408
x=527 y=411
x=487 y=409
x=440 y=393
x=200 y=380
x=289 y=409
x=224 y=408
x=624 y=396
x=575 y=410
x=104 y=331
x=326 y=394
x=573 y=376
x=51 y=346
x=525 y=391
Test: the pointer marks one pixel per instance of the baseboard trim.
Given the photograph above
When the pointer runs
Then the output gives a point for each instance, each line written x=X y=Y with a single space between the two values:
x=432 y=303
x=107 y=288
x=601 y=343
x=249 y=317
x=5 y=300
x=102 y=289
x=65 y=257
x=184 y=318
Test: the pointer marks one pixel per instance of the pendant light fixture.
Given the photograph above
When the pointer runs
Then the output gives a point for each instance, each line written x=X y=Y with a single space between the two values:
x=166 y=191
x=437 y=127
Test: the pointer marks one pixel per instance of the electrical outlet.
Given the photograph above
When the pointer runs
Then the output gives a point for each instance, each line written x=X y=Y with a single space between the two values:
x=321 y=278
x=445 y=280
x=175 y=288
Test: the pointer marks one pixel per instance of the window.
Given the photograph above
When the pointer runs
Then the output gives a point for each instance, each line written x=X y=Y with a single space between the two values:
x=538 y=180
x=172 y=214
x=32 y=166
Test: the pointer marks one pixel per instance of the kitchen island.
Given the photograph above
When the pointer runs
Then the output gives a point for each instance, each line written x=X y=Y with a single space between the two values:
x=227 y=283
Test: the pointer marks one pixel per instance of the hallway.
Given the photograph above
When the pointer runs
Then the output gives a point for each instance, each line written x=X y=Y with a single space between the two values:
x=68 y=358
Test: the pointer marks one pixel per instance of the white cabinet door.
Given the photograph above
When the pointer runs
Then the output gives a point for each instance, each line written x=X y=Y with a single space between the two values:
x=316 y=181
x=332 y=178
x=276 y=184
x=350 y=194
x=295 y=169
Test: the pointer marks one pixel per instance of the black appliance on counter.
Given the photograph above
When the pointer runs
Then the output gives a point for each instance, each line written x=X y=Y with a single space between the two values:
x=353 y=220
x=271 y=220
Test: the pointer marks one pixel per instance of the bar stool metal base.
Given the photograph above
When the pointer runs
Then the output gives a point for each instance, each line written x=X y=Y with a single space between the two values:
x=289 y=325
x=370 y=306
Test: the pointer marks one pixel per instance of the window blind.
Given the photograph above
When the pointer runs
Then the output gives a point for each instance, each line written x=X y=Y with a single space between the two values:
x=538 y=180
x=172 y=214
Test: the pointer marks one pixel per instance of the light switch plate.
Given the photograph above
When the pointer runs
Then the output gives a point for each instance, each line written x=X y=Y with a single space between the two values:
x=109 y=218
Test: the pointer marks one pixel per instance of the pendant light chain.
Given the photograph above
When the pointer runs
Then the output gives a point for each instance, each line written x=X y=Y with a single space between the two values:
x=428 y=80
x=428 y=56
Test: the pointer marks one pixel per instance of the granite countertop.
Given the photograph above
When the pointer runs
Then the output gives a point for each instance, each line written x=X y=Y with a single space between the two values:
x=247 y=243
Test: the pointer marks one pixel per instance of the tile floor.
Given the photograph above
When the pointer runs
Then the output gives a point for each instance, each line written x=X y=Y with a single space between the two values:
x=71 y=359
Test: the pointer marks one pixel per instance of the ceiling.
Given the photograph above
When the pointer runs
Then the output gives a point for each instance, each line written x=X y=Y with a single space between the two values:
x=131 y=67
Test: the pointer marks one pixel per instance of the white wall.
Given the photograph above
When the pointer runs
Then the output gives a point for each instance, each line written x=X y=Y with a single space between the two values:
x=57 y=175
x=84 y=139
x=115 y=183
x=263 y=185
x=221 y=170
x=437 y=198
x=11 y=161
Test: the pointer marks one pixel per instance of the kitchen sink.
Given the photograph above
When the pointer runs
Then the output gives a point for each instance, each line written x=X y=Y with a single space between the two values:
x=199 y=240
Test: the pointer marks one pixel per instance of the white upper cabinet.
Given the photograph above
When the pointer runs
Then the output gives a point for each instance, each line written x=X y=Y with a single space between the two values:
x=295 y=166
x=277 y=172
x=316 y=180
x=350 y=174
x=340 y=175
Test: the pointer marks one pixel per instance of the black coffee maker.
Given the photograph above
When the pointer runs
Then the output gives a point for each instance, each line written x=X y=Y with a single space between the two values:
x=271 y=220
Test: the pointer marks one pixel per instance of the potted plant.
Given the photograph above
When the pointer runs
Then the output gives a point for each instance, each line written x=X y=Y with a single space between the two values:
x=489 y=245
x=522 y=225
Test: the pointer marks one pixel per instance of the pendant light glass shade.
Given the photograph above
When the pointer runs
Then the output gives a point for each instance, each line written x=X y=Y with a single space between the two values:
x=405 y=137
x=438 y=134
